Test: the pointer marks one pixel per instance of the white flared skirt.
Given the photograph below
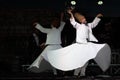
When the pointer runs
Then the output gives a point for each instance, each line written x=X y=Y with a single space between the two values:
x=42 y=63
x=76 y=55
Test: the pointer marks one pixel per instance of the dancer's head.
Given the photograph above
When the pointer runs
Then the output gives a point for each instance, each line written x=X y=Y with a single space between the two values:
x=55 y=22
x=80 y=18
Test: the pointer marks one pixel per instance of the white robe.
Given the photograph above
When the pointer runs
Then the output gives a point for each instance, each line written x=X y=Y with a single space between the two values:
x=53 y=41
x=76 y=55
x=41 y=65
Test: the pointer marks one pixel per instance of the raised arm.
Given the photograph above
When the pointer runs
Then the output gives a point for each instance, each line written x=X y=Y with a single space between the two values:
x=62 y=23
x=72 y=19
x=95 y=21
x=42 y=29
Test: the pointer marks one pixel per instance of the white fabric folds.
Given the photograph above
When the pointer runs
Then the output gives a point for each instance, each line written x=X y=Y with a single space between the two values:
x=76 y=55
x=41 y=63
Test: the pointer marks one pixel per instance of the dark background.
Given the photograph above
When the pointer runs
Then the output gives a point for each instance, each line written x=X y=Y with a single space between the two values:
x=17 y=16
x=109 y=7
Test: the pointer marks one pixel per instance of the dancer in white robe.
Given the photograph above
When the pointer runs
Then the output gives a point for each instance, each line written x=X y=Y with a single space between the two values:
x=75 y=56
x=53 y=42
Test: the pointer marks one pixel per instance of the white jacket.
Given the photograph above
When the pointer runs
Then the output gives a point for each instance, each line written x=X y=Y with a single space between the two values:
x=53 y=34
x=84 y=32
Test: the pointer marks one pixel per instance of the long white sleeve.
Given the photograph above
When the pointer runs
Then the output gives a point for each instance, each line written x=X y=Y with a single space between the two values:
x=94 y=23
x=42 y=29
x=73 y=22
x=62 y=24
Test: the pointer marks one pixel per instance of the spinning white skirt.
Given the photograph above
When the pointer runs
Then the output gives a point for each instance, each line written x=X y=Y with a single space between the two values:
x=40 y=64
x=76 y=55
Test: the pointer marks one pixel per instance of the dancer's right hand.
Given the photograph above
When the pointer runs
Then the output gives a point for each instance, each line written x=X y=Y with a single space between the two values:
x=69 y=11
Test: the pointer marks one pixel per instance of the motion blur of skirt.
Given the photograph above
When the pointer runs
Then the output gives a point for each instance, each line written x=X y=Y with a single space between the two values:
x=41 y=63
x=76 y=55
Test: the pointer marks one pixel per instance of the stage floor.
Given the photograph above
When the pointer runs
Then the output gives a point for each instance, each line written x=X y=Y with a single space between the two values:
x=50 y=76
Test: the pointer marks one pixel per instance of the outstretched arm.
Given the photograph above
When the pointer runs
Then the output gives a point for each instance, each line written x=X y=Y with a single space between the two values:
x=95 y=21
x=42 y=29
x=72 y=20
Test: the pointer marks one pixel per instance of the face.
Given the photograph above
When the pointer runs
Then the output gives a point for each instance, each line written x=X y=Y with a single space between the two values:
x=56 y=22
x=80 y=18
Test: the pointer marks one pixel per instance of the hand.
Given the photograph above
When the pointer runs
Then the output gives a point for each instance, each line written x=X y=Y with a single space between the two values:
x=69 y=11
x=99 y=15
x=34 y=24
x=42 y=45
